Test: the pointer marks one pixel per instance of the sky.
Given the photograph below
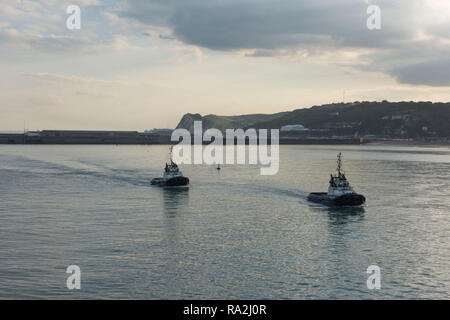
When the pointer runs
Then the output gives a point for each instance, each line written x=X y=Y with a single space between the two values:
x=137 y=65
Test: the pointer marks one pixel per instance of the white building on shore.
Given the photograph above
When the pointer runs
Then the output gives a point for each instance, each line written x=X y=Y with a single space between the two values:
x=294 y=127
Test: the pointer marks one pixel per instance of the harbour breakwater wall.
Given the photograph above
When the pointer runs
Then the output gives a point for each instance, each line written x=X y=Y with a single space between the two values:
x=141 y=139
x=135 y=139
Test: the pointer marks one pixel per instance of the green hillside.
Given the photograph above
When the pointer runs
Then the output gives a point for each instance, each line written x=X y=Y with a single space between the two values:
x=387 y=119
x=398 y=119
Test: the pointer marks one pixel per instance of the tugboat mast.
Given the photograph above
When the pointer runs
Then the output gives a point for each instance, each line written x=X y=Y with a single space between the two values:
x=170 y=154
x=339 y=163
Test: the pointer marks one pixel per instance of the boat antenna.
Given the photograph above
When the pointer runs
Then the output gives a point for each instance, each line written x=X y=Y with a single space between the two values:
x=339 y=163
x=170 y=154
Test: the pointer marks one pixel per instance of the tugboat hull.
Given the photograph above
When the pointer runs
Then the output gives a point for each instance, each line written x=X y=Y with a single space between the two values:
x=172 y=182
x=344 y=200
x=177 y=181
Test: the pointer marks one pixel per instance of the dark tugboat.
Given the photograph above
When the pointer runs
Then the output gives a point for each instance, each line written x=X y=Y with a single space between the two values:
x=340 y=193
x=172 y=177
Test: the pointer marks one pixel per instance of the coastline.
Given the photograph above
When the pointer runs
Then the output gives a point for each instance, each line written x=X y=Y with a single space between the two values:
x=413 y=143
x=136 y=138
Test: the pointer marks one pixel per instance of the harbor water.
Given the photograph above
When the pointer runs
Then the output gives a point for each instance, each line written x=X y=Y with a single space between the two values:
x=233 y=234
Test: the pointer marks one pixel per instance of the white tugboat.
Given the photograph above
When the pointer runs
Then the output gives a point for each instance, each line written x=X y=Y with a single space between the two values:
x=172 y=177
x=340 y=193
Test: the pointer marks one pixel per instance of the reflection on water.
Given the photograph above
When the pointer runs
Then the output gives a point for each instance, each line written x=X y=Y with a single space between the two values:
x=175 y=200
x=339 y=217
x=342 y=215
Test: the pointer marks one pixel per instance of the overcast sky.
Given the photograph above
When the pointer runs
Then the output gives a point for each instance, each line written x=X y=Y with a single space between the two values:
x=136 y=65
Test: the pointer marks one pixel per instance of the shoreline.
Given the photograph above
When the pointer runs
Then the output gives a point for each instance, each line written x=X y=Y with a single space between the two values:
x=281 y=143
x=414 y=143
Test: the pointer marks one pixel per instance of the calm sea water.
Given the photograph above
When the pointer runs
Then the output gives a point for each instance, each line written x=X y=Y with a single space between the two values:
x=232 y=235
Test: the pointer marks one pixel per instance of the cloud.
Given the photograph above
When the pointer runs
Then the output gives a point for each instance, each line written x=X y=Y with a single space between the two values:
x=40 y=27
x=263 y=28
x=87 y=3
x=412 y=45
x=85 y=43
x=58 y=78
x=269 y=24
x=433 y=73
x=81 y=3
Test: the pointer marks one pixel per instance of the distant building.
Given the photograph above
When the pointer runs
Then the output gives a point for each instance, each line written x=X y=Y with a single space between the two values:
x=294 y=127
x=341 y=125
x=32 y=133
x=87 y=133
x=400 y=117
x=159 y=131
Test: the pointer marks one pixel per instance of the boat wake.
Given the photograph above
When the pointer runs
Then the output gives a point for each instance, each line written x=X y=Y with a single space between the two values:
x=80 y=168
